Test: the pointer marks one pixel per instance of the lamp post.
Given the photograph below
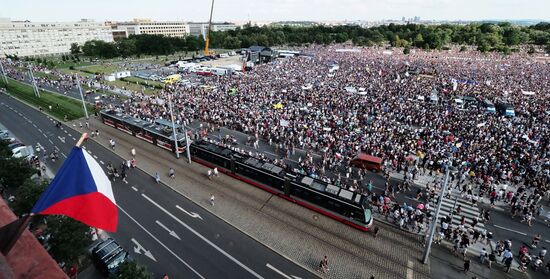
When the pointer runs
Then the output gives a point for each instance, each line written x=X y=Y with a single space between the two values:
x=187 y=143
x=81 y=96
x=173 y=125
x=436 y=217
x=3 y=73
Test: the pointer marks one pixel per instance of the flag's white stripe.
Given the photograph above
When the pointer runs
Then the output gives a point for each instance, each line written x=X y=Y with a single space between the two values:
x=101 y=180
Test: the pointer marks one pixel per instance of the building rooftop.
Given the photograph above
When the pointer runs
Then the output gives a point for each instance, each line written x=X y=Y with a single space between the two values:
x=27 y=259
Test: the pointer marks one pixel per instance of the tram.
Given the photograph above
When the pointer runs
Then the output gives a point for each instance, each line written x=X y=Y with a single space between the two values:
x=350 y=208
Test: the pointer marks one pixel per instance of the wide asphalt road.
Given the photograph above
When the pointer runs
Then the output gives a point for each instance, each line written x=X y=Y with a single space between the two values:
x=160 y=228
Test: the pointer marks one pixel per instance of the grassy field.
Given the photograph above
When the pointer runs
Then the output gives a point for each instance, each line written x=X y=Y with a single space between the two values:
x=101 y=69
x=61 y=105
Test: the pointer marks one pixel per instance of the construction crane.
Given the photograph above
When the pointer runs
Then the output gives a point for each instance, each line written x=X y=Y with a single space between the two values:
x=207 y=40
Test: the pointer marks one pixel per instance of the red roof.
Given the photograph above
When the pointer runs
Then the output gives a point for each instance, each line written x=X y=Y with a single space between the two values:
x=27 y=258
x=365 y=157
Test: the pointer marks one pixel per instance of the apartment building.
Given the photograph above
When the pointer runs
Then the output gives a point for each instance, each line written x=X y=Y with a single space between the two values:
x=201 y=28
x=146 y=26
x=26 y=38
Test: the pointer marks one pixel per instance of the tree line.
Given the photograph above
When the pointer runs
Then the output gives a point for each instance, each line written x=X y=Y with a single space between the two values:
x=503 y=37
x=137 y=45
x=486 y=36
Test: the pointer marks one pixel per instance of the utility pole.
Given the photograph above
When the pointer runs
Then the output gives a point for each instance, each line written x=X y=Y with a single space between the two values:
x=173 y=125
x=436 y=217
x=35 y=88
x=187 y=143
x=81 y=96
x=3 y=73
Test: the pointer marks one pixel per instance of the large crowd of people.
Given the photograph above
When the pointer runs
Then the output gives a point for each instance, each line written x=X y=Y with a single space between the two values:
x=339 y=101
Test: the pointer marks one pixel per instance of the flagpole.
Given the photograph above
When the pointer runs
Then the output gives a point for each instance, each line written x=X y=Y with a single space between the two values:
x=81 y=140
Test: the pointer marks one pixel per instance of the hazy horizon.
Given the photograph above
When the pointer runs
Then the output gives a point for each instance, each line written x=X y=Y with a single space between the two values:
x=277 y=10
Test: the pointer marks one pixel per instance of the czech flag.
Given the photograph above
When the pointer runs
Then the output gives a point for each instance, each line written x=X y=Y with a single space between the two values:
x=82 y=191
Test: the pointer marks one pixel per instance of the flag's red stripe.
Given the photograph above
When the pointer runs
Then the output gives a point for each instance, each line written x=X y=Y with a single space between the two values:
x=93 y=209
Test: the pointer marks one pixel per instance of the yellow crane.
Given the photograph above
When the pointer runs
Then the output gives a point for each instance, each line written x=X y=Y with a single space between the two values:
x=207 y=39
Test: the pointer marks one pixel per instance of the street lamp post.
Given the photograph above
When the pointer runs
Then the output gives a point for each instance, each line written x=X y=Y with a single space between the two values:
x=173 y=125
x=34 y=87
x=436 y=217
x=3 y=73
x=82 y=96
x=187 y=143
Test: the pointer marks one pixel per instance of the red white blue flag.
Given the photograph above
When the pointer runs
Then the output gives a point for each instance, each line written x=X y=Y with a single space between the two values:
x=82 y=191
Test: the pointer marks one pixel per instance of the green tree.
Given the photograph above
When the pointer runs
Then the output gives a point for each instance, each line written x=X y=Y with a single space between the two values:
x=14 y=171
x=69 y=238
x=132 y=270
x=407 y=50
x=418 y=40
x=75 y=49
x=27 y=195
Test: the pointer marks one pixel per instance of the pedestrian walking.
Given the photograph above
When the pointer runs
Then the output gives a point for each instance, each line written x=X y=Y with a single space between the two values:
x=87 y=125
x=123 y=175
x=212 y=198
x=466 y=266
x=483 y=255
x=209 y=174
x=172 y=173
x=323 y=265
x=216 y=172
x=133 y=152
x=157 y=177
x=535 y=241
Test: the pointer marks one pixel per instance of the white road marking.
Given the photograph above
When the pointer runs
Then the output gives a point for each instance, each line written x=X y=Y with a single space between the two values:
x=203 y=238
x=65 y=131
x=134 y=188
x=101 y=162
x=95 y=156
x=503 y=228
x=70 y=135
x=39 y=130
x=83 y=147
x=140 y=248
x=410 y=273
x=162 y=244
x=56 y=148
x=192 y=214
x=50 y=141
x=170 y=232
x=34 y=125
x=278 y=271
x=74 y=138
x=61 y=139
x=64 y=155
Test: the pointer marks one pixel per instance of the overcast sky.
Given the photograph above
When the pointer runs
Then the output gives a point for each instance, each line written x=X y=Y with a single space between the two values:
x=273 y=10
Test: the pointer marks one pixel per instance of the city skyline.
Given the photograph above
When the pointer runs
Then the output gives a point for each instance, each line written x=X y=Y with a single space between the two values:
x=278 y=10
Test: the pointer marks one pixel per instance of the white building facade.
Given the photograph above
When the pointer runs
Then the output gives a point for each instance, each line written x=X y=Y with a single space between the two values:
x=24 y=38
x=168 y=29
x=201 y=28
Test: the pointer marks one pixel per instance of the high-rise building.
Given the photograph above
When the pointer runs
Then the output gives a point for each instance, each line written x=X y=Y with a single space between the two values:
x=147 y=26
x=25 y=38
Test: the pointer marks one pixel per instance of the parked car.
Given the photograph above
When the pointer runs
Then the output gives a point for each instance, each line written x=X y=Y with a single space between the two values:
x=4 y=135
x=488 y=106
x=14 y=145
x=506 y=109
x=23 y=152
x=108 y=255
